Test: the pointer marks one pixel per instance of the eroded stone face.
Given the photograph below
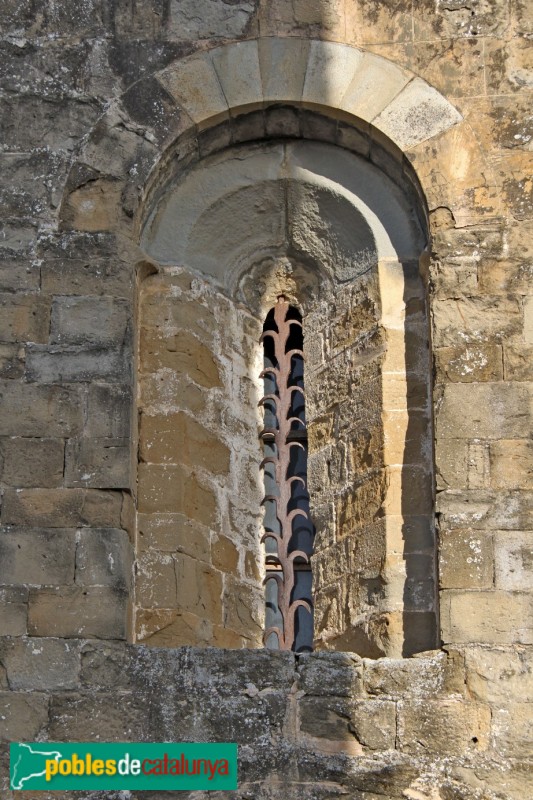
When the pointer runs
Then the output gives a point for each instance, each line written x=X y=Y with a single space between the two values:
x=198 y=451
x=455 y=724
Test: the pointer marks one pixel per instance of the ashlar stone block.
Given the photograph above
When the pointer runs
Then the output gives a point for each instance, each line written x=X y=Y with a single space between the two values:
x=330 y=69
x=170 y=627
x=98 y=463
x=23 y=715
x=237 y=68
x=199 y=588
x=47 y=411
x=471 y=364
x=204 y=19
x=103 y=557
x=174 y=489
x=36 y=557
x=417 y=113
x=244 y=608
x=28 y=462
x=179 y=439
x=512 y=730
x=511 y=464
x=374 y=723
x=283 y=65
x=173 y=533
x=513 y=557
x=73 y=612
x=375 y=83
x=494 y=617
x=485 y=411
x=475 y=320
x=64 y=364
x=24 y=318
x=446 y=726
x=40 y=664
x=194 y=84
x=466 y=560
x=495 y=674
x=13 y=610
x=94 y=321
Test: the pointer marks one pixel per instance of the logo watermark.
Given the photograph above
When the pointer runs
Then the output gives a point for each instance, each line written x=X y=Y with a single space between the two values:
x=62 y=766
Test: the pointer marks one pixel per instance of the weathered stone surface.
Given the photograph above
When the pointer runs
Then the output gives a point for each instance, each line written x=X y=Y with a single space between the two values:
x=36 y=557
x=374 y=723
x=244 y=609
x=485 y=411
x=486 y=617
x=455 y=20
x=371 y=22
x=199 y=588
x=13 y=611
x=505 y=276
x=98 y=463
x=417 y=113
x=466 y=560
x=513 y=558
x=29 y=410
x=494 y=674
x=95 y=321
x=23 y=715
x=72 y=612
x=486 y=510
x=24 y=318
x=83 y=273
x=305 y=18
x=155 y=585
x=511 y=464
x=339 y=674
x=58 y=364
x=475 y=320
x=40 y=664
x=176 y=490
x=512 y=730
x=205 y=20
x=103 y=558
x=109 y=410
x=168 y=627
x=326 y=722
x=97 y=717
x=182 y=353
x=31 y=122
x=173 y=533
x=179 y=439
x=419 y=677
x=448 y=726
x=11 y=361
x=62 y=508
x=31 y=462
x=470 y=364
x=225 y=555
x=518 y=362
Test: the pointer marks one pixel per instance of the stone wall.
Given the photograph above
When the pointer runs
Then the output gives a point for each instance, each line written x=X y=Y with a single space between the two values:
x=96 y=106
x=316 y=726
x=199 y=559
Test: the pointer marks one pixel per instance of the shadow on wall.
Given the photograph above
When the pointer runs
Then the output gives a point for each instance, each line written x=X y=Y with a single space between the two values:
x=339 y=239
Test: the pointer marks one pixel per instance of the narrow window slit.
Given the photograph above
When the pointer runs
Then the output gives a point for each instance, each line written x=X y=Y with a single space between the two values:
x=289 y=531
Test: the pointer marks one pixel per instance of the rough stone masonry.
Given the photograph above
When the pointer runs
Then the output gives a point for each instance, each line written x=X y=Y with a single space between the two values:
x=168 y=167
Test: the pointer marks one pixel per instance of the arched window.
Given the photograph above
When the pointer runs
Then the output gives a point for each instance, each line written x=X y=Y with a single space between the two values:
x=289 y=531
x=341 y=240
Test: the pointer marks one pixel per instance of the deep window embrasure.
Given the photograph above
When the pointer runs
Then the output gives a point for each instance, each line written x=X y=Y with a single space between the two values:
x=289 y=531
